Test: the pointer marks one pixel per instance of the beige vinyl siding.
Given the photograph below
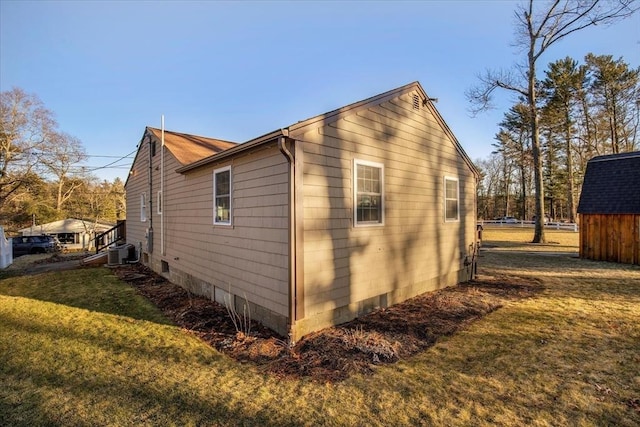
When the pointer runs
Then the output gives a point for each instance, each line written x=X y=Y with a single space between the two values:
x=415 y=250
x=248 y=258
x=137 y=184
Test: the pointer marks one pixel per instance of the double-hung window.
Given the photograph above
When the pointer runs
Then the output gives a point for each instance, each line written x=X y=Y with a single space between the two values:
x=159 y=202
x=451 y=199
x=368 y=178
x=222 y=196
x=143 y=207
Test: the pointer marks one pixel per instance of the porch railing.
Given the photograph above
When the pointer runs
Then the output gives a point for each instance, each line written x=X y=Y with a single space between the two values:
x=117 y=234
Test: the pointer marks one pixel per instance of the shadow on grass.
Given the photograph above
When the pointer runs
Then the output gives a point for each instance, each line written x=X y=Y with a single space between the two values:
x=94 y=289
x=145 y=399
x=108 y=368
x=570 y=274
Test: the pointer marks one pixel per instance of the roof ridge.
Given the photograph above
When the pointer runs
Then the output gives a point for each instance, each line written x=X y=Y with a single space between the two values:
x=191 y=135
x=616 y=156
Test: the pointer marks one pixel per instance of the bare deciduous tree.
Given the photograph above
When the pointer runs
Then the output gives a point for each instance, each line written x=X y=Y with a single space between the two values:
x=538 y=28
x=59 y=155
x=25 y=126
x=40 y=179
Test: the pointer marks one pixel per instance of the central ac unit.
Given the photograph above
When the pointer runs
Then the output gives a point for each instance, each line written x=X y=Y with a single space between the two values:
x=113 y=256
x=123 y=253
x=118 y=254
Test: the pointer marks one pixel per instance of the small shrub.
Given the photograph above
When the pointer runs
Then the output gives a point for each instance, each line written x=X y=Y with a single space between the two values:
x=372 y=343
x=241 y=322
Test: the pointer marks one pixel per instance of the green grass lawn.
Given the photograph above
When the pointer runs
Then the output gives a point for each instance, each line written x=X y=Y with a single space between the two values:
x=81 y=348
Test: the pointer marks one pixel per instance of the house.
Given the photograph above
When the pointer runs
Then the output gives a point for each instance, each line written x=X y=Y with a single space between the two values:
x=609 y=209
x=73 y=234
x=313 y=224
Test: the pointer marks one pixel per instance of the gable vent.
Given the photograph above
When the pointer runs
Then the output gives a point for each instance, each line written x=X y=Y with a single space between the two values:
x=416 y=102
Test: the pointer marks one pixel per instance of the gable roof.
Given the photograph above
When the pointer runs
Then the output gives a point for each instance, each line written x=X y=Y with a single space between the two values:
x=323 y=119
x=69 y=225
x=611 y=185
x=184 y=147
x=189 y=148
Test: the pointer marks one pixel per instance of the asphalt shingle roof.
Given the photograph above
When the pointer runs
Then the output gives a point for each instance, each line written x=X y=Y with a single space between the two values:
x=611 y=185
x=189 y=148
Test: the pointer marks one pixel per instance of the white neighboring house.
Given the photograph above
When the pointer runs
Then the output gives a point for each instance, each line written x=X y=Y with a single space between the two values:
x=73 y=234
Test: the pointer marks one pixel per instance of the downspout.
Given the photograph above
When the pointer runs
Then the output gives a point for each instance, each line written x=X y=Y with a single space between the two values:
x=282 y=146
x=161 y=201
x=478 y=235
x=150 y=213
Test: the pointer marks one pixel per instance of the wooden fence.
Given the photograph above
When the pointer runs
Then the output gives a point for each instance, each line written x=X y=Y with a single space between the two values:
x=569 y=226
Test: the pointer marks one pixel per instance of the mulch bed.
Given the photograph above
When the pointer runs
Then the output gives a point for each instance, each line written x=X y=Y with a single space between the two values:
x=333 y=354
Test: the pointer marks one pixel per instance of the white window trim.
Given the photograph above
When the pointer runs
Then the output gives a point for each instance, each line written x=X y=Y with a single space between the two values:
x=215 y=221
x=357 y=224
x=444 y=197
x=159 y=202
x=143 y=207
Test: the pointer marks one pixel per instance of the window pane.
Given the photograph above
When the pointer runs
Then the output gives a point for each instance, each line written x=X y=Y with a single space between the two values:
x=368 y=194
x=222 y=196
x=369 y=208
x=223 y=204
x=451 y=199
x=367 y=178
x=361 y=178
x=452 y=209
x=452 y=189
x=222 y=183
x=374 y=210
x=143 y=207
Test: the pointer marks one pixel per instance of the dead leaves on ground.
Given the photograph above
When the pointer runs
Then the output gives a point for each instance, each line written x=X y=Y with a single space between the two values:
x=384 y=336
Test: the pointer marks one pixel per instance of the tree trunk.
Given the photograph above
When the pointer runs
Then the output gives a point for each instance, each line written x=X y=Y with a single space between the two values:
x=59 y=200
x=538 y=236
x=615 y=138
x=571 y=202
x=523 y=185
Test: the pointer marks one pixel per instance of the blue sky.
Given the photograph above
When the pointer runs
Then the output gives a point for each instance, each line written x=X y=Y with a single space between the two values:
x=237 y=70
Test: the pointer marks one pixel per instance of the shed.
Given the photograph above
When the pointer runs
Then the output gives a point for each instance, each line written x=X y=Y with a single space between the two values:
x=609 y=209
x=313 y=224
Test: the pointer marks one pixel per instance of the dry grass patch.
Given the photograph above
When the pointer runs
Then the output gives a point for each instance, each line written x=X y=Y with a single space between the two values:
x=519 y=239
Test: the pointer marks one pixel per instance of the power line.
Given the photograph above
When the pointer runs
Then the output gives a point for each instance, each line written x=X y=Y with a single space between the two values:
x=92 y=168
x=111 y=165
x=124 y=166
x=114 y=162
x=110 y=157
x=128 y=156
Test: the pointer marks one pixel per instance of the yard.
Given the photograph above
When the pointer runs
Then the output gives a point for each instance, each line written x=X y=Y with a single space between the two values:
x=559 y=346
